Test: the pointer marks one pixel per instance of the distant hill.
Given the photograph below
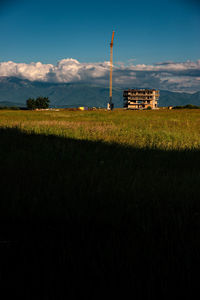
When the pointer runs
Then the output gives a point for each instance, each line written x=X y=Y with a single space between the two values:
x=8 y=103
x=168 y=98
x=16 y=91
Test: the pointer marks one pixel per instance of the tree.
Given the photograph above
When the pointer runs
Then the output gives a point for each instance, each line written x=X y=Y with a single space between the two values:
x=40 y=102
x=30 y=103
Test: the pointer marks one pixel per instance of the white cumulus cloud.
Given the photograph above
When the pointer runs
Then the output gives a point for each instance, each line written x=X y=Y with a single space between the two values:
x=32 y=71
x=66 y=70
x=183 y=76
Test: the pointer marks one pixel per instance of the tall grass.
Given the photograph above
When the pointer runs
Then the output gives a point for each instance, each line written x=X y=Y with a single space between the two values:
x=93 y=200
x=152 y=129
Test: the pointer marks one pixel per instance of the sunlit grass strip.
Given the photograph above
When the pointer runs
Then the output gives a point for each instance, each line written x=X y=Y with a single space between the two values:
x=157 y=130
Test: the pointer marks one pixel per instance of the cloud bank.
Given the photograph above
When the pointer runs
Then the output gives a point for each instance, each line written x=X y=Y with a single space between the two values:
x=174 y=76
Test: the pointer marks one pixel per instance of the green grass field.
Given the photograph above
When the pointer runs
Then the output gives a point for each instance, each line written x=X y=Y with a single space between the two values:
x=164 y=130
x=111 y=194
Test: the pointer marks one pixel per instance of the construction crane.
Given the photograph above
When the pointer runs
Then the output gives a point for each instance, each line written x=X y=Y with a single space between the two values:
x=110 y=105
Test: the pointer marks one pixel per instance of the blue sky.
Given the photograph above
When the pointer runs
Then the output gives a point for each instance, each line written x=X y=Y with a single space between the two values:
x=156 y=43
x=146 y=31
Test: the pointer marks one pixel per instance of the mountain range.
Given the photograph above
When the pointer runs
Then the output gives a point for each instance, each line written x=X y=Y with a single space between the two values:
x=15 y=91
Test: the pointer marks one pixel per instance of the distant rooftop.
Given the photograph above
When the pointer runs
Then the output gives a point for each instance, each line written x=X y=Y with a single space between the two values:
x=149 y=90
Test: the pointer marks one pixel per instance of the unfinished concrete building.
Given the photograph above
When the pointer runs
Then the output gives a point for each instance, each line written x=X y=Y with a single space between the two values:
x=141 y=98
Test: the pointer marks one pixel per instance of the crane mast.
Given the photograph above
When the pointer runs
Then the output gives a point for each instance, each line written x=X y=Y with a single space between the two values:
x=110 y=103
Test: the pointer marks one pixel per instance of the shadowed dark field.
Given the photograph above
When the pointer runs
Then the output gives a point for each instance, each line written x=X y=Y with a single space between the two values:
x=78 y=217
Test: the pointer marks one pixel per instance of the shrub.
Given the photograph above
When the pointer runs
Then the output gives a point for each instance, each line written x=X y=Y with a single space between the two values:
x=14 y=108
x=187 y=106
x=10 y=107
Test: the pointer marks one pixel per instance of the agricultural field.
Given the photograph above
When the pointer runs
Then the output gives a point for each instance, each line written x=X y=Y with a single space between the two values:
x=166 y=130
x=111 y=194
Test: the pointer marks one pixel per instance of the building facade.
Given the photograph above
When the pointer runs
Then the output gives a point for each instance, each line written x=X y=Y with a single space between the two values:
x=141 y=98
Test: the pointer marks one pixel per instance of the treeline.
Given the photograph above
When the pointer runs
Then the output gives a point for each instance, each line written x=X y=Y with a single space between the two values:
x=39 y=103
x=9 y=107
x=187 y=106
